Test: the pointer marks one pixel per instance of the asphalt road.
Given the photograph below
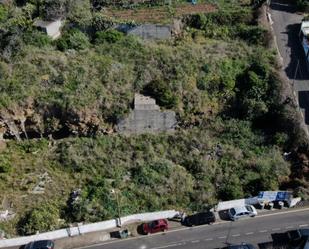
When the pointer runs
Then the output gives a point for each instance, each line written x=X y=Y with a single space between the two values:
x=286 y=25
x=259 y=230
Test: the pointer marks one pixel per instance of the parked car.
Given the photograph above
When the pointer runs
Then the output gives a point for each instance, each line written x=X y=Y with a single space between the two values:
x=40 y=244
x=199 y=219
x=297 y=236
x=155 y=226
x=241 y=246
x=241 y=212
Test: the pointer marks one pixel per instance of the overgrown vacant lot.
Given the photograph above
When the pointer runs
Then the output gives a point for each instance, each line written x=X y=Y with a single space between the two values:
x=161 y=14
x=219 y=78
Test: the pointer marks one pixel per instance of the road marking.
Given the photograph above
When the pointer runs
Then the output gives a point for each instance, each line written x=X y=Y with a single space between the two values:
x=222 y=237
x=303 y=225
x=249 y=233
x=170 y=245
x=190 y=228
x=276 y=229
x=209 y=239
x=263 y=231
x=195 y=241
x=289 y=227
x=235 y=235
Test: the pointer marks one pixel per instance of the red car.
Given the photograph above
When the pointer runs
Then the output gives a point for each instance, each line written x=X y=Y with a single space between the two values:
x=155 y=226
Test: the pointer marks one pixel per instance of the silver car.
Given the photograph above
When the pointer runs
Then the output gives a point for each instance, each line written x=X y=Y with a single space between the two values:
x=236 y=213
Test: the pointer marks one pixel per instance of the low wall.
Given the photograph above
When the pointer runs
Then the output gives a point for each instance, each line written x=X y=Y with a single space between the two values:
x=223 y=205
x=88 y=228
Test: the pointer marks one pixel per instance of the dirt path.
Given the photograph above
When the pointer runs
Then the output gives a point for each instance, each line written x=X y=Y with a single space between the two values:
x=161 y=14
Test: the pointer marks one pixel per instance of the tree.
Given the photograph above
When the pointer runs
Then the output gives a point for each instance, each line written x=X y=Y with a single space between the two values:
x=53 y=9
x=162 y=93
x=73 y=39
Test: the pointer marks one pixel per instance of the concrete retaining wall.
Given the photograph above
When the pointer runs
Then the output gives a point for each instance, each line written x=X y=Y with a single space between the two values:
x=223 y=205
x=88 y=228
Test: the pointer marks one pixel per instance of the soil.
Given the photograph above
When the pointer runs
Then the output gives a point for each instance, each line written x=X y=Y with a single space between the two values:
x=159 y=14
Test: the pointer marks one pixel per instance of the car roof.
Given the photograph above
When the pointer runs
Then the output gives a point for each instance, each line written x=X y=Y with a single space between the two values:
x=39 y=243
x=240 y=209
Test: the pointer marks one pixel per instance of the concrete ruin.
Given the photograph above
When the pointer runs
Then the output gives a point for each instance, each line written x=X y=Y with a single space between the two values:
x=51 y=28
x=148 y=31
x=147 y=117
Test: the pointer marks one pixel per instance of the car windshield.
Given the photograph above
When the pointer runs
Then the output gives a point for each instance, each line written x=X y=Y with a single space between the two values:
x=249 y=208
x=232 y=210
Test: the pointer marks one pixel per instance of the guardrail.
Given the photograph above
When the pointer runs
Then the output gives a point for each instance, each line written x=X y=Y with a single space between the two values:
x=88 y=228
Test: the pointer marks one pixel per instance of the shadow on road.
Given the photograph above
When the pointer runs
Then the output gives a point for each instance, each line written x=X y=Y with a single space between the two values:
x=297 y=66
x=281 y=5
x=291 y=48
x=223 y=214
x=303 y=99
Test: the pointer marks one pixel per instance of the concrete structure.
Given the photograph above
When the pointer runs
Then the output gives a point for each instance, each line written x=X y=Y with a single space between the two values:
x=148 y=31
x=51 y=28
x=147 y=117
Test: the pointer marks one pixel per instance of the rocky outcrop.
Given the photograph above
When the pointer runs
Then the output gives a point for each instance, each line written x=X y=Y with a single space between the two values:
x=32 y=121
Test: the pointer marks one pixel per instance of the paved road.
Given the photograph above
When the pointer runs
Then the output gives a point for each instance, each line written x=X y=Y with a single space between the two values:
x=256 y=230
x=286 y=25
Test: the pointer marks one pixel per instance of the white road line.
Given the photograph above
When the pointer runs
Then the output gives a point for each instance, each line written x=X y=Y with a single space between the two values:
x=190 y=228
x=263 y=231
x=249 y=233
x=209 y=239
x=170 y=245
x=235 y=235
x=289 y=227
x=222 y=237
x=276 y=229
x=303 y=225
x=195 y=241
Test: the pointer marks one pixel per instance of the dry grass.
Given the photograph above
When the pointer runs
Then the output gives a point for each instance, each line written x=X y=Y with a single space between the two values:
x=161 y=14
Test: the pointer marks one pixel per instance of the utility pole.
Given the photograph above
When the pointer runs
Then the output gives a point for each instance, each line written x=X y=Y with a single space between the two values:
x=116 y=193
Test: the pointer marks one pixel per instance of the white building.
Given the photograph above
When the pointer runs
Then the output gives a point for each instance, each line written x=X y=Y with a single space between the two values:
x=51 y=28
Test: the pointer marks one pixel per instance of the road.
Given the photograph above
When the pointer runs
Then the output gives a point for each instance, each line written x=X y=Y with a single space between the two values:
x=286 y=25
x=256 y=230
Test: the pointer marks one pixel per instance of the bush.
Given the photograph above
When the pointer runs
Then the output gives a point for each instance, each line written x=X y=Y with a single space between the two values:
x=110 y=36
x=36 y=38
x=302 y=5
x=5 y=164
x=3 y=13
x=162 y=93
x=101 y=22
x=44 y=217
x=73 y=39
x=53 y=9
x=252 y=34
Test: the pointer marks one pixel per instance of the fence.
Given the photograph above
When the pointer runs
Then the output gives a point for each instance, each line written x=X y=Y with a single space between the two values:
x=88 y=228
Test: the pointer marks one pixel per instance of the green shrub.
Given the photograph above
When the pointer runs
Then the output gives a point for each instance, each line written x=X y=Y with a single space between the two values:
x=252 y=34
x=101 y=22
x=3 y=13
x=110 y=36
x=36 y=38
x=5 y=164
x=73 y=39
x=302 y=5
x=162 y=93
x=44 y=217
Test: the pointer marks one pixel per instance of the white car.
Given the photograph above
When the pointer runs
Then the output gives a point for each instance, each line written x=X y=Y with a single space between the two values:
x=236 y=213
